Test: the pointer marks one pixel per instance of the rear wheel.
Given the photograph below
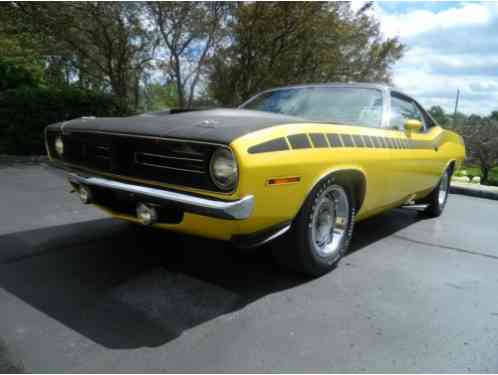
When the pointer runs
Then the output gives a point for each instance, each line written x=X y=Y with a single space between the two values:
x=322 y=230
x=439 y=196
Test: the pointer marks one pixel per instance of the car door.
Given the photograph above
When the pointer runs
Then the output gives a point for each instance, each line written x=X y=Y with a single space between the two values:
x=415 y=164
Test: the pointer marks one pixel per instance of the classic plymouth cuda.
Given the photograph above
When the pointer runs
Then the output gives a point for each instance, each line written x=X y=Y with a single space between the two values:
x=302 y=162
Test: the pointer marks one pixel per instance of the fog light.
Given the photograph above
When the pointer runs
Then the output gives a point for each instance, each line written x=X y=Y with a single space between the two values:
x=85 y=195
x=59 y=146
x=146 y=214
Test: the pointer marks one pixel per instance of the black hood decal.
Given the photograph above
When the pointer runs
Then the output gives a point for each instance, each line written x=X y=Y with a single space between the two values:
x=217 y=125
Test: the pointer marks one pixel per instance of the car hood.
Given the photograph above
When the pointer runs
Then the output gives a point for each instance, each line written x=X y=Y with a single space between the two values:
x=216 y=125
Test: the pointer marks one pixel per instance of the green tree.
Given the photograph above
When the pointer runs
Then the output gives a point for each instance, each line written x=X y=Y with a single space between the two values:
x=21 y=64
x=106 y=42
x=280 y=43
x=494 y=115
x=159 y=97
x=481 y=142
x=438 y=114
x=191 y=33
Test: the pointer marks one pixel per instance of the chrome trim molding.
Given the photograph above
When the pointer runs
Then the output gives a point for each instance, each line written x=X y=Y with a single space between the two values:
x=168 y=157
x=275 y=235
x=247 y=241
x=171 y=168
x=138 y=162
x=231 y=210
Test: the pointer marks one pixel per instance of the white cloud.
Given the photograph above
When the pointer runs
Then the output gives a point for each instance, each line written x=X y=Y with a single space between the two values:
x=450 y=49
x=422 y=21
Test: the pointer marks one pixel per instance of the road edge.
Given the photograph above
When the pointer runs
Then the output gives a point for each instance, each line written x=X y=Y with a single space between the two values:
x=472 y=192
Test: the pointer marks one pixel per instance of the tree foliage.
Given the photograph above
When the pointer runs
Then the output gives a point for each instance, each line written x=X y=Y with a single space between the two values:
x=228 y=50
x=479 y=133
x=162 y=54
x=158 y=97
x=26 y=111
x=438 y=114
x=481 y=141
x=105 y=41
x=280 y=43
x=191 y=33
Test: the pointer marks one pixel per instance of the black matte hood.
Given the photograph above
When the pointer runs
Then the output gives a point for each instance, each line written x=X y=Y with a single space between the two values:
x=216 y=125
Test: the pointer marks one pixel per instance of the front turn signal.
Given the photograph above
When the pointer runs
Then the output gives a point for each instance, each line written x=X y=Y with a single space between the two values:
x=283 y=180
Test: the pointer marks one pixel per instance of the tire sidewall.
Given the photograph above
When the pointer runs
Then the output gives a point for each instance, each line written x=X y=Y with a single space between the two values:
x=319 y=263
x=434 y=208
x=443 y=205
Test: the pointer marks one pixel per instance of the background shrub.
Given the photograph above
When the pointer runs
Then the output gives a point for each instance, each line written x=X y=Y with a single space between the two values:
x=26 y=111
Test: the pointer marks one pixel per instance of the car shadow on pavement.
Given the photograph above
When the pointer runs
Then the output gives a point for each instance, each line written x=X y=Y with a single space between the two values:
x=384 y=225
x=123 y=286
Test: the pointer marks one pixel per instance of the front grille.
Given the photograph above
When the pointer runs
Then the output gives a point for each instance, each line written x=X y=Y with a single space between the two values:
x=174 y=163
x=168 y=161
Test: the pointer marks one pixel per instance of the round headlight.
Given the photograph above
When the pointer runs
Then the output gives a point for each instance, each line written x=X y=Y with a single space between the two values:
x=59 y=146
x=223 y=169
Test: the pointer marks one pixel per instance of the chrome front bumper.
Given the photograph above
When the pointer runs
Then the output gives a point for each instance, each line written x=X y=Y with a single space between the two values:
x=230 y=210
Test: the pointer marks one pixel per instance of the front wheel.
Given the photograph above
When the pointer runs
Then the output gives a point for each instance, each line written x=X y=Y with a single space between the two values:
x=439 y=196
x=322 y=230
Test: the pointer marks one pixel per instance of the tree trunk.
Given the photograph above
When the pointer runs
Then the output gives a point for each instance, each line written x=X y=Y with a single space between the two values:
x=137 y=92
x=484 y=174
x=181 y=97
x=120 y=91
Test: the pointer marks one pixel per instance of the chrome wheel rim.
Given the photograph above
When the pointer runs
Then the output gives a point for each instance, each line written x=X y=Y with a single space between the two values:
x=330 y=221
x=443 y=189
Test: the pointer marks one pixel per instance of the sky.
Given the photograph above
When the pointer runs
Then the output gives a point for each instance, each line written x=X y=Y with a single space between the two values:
x=449 y=46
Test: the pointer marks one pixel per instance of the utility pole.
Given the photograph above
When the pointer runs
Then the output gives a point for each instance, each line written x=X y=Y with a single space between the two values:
x=456 y=105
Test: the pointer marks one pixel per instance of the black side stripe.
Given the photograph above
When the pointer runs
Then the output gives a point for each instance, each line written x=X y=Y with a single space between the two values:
x=347 y=140
x=368 y=141
x=299 y=141
x=318 y=140
x=334 y=140
x=358 y=141
x=277 y=144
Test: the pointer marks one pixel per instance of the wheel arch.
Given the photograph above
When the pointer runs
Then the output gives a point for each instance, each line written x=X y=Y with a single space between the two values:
x=353 y=177
x=451 y=165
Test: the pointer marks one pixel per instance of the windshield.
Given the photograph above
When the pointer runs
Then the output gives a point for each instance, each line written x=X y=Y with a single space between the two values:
x=348 y=105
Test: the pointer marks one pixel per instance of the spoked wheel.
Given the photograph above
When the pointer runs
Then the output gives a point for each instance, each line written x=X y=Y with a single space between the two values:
x=329 y=222
x=444 y=186
x=439 y=196
x=321 y=232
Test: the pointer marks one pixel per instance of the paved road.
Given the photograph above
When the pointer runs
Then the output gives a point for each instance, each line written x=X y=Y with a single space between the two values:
x=81 y=292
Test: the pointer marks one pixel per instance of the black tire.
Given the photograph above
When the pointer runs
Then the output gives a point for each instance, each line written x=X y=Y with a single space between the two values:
x=297 y=249
x=435 y=201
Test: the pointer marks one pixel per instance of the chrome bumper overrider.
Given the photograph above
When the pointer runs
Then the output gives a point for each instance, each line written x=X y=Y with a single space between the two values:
x=231 y=210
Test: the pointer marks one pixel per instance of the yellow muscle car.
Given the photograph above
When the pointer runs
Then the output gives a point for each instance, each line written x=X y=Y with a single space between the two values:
x=305 y=162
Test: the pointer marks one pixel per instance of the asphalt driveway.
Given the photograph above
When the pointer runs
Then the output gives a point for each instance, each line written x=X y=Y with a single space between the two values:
x=82 y=292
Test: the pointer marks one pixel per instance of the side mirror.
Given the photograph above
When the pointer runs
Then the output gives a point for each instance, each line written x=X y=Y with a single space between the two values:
x=413 y=125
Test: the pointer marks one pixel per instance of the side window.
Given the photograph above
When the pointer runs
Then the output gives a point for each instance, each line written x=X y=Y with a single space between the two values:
x=402 y=110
